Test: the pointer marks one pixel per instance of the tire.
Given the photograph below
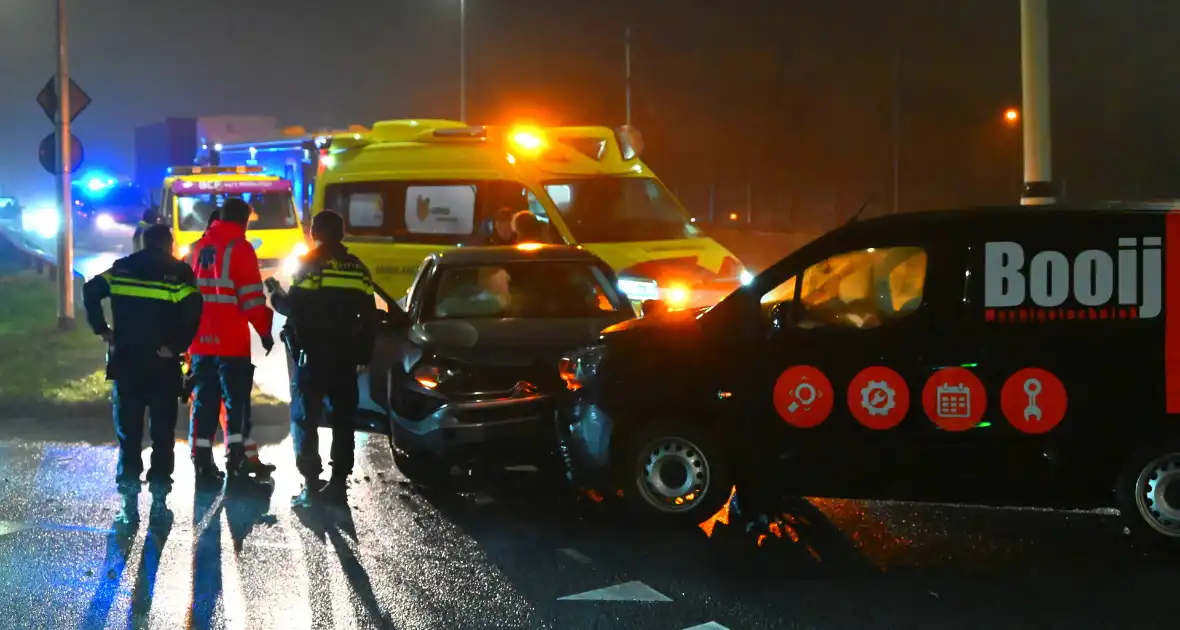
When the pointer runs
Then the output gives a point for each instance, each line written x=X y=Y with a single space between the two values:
x=421 y=469
x=1148 y=494
x=654 y=471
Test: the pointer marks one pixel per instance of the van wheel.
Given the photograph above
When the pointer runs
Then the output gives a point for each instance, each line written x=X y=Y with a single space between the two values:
x=1148 y=494
x=675 y=472
x=421 y=469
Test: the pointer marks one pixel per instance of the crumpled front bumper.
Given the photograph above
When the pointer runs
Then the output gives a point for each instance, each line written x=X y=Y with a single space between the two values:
x=493 y=428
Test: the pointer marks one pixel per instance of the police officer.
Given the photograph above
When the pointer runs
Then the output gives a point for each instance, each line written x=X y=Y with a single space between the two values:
x=227 y=275
x=330 y=331
x=156 y=309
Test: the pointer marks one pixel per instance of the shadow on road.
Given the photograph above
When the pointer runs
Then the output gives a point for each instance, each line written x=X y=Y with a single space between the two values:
x=335 y=525
x=159 y=527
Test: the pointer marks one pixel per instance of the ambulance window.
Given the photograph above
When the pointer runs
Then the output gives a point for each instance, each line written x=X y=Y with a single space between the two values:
x=443 y=210
x=863 y=288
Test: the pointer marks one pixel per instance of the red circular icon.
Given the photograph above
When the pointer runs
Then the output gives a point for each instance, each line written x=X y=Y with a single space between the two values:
x=954 y=399
x=1033 y=400
x=803 y=396
x=878 y=398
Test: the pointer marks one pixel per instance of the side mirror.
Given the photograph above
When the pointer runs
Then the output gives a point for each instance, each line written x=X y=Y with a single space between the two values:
x=653 y=307
x=781 y=316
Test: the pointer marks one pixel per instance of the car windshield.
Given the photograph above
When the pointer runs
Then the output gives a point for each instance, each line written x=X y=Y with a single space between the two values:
x=619 y=209
x=523 y=289
x=272 y=210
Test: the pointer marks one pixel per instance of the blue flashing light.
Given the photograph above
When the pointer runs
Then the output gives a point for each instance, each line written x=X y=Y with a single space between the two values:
x=95 y=183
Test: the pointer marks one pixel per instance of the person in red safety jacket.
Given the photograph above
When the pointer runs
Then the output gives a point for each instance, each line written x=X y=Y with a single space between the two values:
x=228 y=278
x=256 y=465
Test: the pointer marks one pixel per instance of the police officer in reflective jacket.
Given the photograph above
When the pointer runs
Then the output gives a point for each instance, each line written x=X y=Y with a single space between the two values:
x=156 y=309
x=329 y=334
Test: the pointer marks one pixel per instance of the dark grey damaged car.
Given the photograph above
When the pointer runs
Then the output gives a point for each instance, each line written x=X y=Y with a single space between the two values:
x=471 y=356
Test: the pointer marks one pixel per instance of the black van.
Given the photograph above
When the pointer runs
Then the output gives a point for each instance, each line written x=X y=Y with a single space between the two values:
x=995 y=355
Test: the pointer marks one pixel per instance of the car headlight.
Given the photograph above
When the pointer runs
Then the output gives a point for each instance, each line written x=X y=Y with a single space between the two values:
x=291 y=263
x=746 y=277
x=44 y=222
x=183 y=251
x=105 y=222
x=580 y=367
x=432 y=376
x=677 y=297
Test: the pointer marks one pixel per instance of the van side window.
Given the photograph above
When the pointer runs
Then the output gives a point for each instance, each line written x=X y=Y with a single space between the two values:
x=784 y=292
x=863 y=288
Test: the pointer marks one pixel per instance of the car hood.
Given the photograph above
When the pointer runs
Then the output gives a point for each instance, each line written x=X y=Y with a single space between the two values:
x=518 y=342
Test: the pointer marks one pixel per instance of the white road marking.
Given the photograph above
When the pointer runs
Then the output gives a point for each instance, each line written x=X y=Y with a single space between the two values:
x=575 y=554
x=633 y=591
x=9 y=527
x=712 y=625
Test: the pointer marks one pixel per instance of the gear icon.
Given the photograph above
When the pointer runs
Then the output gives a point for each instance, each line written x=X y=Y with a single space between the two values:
x=877 y=398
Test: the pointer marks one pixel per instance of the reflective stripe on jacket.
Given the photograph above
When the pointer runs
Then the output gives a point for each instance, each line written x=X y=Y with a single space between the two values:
x=226 y=269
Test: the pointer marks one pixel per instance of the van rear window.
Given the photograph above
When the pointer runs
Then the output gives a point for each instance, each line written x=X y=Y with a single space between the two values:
x=425 y=212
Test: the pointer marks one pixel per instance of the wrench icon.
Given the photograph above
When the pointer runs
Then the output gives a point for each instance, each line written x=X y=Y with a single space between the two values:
x=804 y=394
x=1032 y=387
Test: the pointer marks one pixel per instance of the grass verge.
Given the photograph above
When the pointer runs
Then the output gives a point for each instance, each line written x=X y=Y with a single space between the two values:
x=39 y=364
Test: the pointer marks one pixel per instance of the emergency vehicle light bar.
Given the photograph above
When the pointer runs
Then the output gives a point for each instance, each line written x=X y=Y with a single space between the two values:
x=462 y=132
x=212 y=170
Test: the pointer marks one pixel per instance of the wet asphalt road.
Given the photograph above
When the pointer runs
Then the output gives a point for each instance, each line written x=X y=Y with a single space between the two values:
x=504 y=553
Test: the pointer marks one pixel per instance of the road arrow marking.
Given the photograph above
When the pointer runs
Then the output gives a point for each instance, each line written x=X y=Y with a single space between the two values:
x=627 y=592
x=712 y=625
x=9 y=527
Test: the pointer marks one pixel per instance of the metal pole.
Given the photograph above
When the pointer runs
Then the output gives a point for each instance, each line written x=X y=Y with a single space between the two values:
x=897 y=131
x=749 y=204
x=1034 y=63
x=627 y=69
x=463 y=60
x=65 y=235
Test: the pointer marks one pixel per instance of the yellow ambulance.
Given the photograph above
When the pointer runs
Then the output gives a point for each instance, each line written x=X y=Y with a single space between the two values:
x=409 y=188
x=192 y=193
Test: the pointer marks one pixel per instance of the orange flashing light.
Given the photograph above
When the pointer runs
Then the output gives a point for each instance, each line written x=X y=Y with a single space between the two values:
x=528 y=140
x=677 y=297
x=529 y=247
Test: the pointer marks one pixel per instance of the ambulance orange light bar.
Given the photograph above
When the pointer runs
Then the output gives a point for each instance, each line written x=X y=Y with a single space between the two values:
x=528 y=140
x=212 y=170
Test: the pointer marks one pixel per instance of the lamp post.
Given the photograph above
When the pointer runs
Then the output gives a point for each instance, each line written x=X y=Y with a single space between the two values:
x=463 y=60
x=1034 y=65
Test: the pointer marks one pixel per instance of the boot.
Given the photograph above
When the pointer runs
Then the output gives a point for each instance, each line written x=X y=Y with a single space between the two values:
x=336 y=491
x=160 y=511
x=236 y=465
x=309 y=497
x=260 y=470
x=128 y=516
x=205 y=468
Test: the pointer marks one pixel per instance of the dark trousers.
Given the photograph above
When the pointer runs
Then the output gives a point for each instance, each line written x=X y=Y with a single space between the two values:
x=217 y=380
x=310 y=385
x=155 y=392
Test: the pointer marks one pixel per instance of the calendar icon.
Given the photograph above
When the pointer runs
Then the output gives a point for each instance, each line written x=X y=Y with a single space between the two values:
x=954 y=401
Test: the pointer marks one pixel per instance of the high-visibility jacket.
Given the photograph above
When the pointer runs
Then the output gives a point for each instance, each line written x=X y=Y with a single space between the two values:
x=228 y=278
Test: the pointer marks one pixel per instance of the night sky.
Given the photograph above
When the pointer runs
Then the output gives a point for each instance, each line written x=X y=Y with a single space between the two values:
x=793 y=99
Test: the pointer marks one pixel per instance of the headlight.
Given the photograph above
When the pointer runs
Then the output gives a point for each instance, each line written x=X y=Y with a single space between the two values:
x=291 y=263
x=677 y=297
x=746 y=277
x=44 y=222
x=105 y=222
x=183 y=251
x=432 y=376
x=581 y=366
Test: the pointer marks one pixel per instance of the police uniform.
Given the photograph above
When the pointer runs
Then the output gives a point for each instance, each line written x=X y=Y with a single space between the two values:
x=155 y=304
x=330 y=331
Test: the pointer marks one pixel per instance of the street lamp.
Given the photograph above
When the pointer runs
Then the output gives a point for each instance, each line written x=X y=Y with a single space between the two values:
x=1011 y=116
x=463 y=60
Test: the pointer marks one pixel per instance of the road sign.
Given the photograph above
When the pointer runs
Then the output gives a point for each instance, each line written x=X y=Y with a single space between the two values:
x=47 y=152
x=48 y=101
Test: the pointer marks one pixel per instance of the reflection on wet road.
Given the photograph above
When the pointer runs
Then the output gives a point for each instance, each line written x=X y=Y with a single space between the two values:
x=507 y=553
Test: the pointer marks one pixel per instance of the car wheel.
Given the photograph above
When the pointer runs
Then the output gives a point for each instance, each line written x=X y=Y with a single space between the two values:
x=675 y=472
x=421 y=469
x=1148 y=494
